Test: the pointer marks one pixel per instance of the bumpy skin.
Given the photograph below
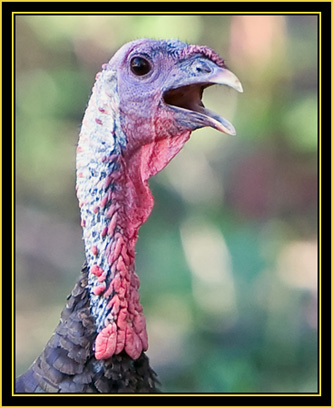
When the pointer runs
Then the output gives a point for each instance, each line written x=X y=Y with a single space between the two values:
x=136 y=121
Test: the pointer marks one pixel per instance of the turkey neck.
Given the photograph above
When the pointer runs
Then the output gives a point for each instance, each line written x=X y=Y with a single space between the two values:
x=114 y=202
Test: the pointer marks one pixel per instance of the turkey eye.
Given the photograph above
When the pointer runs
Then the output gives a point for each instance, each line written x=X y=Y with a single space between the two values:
x=140 y=66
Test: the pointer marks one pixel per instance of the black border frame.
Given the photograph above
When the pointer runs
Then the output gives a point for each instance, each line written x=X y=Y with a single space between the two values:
x=8 y=8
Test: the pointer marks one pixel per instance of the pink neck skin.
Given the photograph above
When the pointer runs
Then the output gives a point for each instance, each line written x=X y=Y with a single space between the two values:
x=132 y=205
x=129 y=205
x=110 y=228
x=115 y=201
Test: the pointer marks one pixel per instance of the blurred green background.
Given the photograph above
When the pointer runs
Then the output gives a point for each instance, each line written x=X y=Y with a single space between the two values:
x=228 y=258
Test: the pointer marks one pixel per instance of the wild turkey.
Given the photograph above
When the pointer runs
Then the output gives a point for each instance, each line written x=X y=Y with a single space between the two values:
x=144 y=105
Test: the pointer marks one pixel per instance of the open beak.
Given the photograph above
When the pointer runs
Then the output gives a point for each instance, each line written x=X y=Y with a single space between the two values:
x=186 y=99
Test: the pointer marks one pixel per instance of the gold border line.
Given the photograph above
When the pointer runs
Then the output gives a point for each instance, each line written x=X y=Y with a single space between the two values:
x=319 y=210
x=55 y=13
x=13 y=197
x=175 y=1
x=319 y=137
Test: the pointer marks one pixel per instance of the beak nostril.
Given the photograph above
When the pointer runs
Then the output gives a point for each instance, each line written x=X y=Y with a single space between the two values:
x=202 y=69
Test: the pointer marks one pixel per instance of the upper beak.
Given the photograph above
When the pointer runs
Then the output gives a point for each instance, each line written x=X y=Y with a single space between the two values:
x=225 y=77
x=184 y=96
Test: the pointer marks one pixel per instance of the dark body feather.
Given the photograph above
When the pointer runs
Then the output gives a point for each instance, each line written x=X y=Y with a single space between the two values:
x=68 y=364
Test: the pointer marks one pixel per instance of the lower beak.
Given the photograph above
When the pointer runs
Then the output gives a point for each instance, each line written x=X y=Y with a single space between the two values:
x=186 y=101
